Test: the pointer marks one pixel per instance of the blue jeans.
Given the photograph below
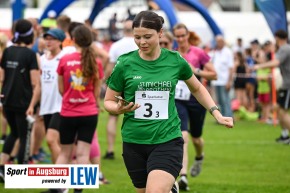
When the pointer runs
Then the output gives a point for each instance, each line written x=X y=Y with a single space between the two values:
x=224 y=101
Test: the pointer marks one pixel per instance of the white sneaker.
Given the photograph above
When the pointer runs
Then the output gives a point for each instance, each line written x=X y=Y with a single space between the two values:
x=175 y=188
x=183 y=183
x=65 y=190
x=196 y=168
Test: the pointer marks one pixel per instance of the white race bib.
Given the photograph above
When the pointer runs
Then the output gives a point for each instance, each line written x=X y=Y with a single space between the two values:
x=153 y=104
x=48 y=76
x=181 y=91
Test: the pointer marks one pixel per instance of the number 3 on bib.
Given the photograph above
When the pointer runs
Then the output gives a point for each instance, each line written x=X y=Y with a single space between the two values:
x=153 y=104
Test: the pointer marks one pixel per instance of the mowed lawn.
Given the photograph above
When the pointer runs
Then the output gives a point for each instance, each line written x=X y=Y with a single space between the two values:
x=245 y=159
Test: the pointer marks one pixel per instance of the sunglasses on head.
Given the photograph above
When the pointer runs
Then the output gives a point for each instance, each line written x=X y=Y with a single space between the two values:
x=180 y=36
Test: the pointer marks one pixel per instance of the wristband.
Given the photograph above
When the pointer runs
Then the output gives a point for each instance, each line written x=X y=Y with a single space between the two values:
x=212 y=109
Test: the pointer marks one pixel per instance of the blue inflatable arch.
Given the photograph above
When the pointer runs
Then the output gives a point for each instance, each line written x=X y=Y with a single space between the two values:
x=18 y=7
x=203 y=11
x=59 y=5
x=165 y=5
x=274 y=11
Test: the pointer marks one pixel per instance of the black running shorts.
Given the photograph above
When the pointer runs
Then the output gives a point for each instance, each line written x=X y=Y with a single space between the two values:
x=51 y=121
x=192 y=113
x=284 y=98
x=77 y=128
x=141 y=159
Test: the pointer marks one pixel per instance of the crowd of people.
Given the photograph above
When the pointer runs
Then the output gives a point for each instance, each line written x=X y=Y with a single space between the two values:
x=61 y=68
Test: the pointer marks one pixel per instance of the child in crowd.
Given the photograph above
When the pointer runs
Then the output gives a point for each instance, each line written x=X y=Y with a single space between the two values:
x=264 y=89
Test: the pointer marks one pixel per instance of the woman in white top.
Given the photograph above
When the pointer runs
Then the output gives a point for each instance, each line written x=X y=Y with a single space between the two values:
x=51 y=100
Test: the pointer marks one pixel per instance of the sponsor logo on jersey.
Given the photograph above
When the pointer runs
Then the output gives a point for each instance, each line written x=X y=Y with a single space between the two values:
x=137 y=77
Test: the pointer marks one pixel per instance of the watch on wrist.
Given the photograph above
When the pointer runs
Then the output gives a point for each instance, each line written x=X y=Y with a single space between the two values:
x=212 y=109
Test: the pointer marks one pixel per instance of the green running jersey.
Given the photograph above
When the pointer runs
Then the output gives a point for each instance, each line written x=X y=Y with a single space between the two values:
x=152 y=85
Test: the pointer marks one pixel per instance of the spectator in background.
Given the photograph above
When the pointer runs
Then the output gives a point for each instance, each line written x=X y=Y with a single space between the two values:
x=264 y=88
x=251 y=81
x=190 y=111
x=282 y=60
x=240 y=69
x=50 y=104
x=79 y=84
x=38 y=130
x=99 y=49
x=95 y=148
x=63 y=22
x=223 y=61
x=130 y=16
x=255 y=49
x=38 y=42
x=3 y=45
x=20 y=76
x=106 y=42
x=50 y=21
x=113 y=30
x=96 y=33
x=269 y=50
x=71 y=48
x=80 y=87
x=238 y=47
x=166 y=40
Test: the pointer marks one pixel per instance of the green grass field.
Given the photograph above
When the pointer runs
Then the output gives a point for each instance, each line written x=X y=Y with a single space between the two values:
x=245 y=159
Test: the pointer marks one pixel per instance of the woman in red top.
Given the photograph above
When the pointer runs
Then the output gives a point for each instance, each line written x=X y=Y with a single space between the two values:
x=79 y=82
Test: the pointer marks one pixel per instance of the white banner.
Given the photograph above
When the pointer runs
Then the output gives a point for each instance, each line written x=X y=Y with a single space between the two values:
x=51 y=176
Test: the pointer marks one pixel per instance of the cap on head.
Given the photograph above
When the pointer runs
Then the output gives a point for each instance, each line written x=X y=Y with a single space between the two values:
x=255 y=41
x=51 y=14
x=56 y=33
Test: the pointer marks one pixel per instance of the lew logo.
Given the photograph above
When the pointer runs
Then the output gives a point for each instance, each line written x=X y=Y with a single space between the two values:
x=51 y=176
x=137 y=77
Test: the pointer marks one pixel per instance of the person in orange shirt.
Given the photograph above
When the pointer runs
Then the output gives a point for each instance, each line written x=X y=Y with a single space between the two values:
x=63 y=22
